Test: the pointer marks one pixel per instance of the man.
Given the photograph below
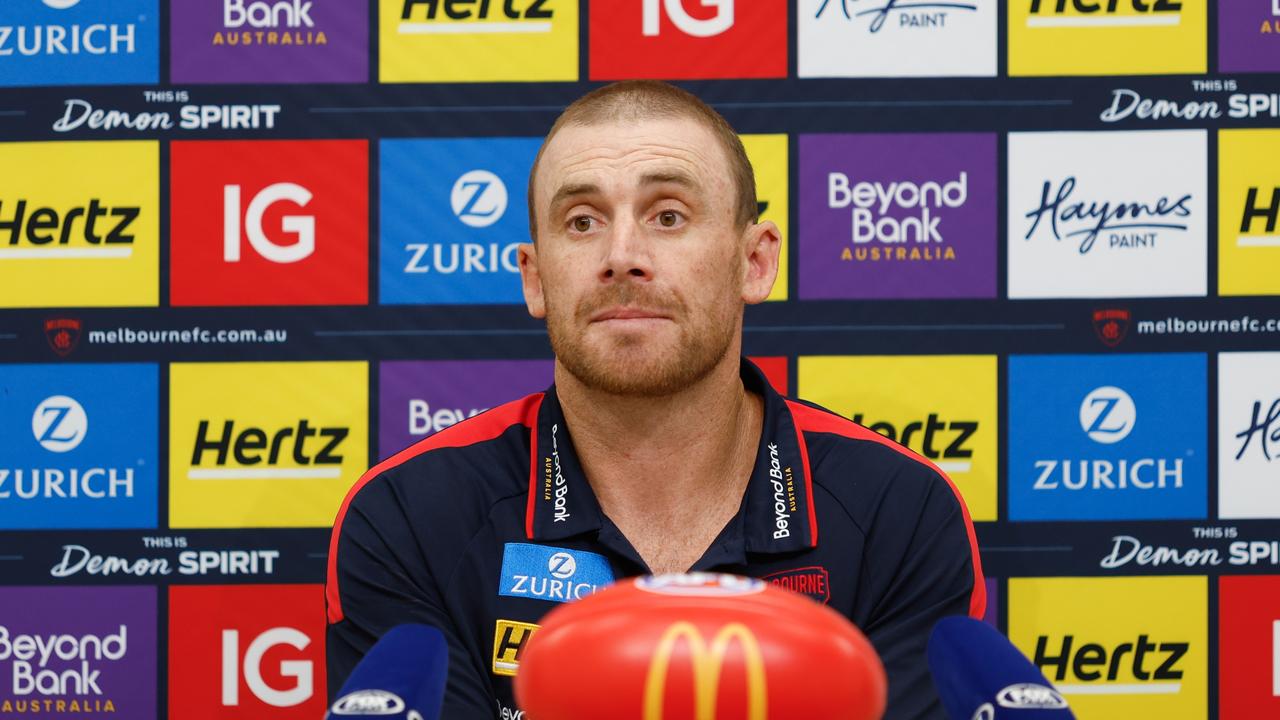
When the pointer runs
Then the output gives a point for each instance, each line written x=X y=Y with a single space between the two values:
x=658 y=449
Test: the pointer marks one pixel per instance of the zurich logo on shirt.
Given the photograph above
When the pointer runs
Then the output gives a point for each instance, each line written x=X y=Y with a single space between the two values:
x=551 y=573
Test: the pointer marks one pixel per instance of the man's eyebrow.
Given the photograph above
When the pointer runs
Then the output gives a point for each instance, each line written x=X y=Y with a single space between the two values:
x=571 y=191
x=673 y=177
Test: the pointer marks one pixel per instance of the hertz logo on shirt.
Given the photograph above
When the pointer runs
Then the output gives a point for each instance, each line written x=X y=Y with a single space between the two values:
x=1107 y=37
x=261 y=445
x=1117 y=647
x=477 y=40
x=509 y=640
x=84 y=231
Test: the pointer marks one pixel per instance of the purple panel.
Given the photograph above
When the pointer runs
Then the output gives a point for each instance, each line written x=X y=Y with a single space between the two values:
x=252 y=41
x=992 y=616
x=417 y=399
x=897 y=216
x=105 y=649
x=1249 y=36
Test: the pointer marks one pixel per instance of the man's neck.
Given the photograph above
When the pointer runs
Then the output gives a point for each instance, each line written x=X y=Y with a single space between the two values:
x=673 y=464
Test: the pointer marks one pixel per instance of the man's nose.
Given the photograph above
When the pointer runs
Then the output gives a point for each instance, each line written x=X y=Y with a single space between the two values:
x=627 y=253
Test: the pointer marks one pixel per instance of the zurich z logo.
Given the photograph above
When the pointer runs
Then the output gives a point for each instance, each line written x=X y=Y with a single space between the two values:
x=550 y=573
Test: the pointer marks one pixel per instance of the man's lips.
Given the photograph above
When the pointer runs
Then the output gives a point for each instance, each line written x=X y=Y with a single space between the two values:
x=629 y=313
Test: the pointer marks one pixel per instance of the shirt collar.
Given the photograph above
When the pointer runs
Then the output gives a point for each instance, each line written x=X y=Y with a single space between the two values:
x=777 y=514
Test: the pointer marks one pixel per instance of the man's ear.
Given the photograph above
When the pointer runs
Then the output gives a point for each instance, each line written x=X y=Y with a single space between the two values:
x=531 y=281
x=761 y=245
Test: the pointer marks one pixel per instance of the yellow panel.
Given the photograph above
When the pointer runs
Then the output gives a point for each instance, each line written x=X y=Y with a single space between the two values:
x=273 y=481
x=768 y=155
x=1044 y=40
x=489 y=48
x=942 y=406
x=1248 y=260
x=1138 y=646
x=89 y=234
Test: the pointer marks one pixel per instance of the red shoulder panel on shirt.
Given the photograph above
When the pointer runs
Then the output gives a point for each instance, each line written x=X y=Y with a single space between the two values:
x=812 y=419
x=482 y=427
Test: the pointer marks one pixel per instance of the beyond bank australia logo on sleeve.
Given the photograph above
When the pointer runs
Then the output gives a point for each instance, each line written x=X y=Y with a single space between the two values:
x=453 y=216
x=1107 y=437
x=1108 y=214
x=80 y=446
x=79 y=42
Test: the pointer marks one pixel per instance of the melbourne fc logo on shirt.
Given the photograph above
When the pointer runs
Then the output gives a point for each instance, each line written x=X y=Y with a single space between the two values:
x=897 y=216
x=813 y=581
x=551 y=573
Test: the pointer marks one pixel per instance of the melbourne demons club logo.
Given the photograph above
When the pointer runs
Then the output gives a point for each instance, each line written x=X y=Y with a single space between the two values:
x=1111 y=325
x=688 y=39
x=270 y=223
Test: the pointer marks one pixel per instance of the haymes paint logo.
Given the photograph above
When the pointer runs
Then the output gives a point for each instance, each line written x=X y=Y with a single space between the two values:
x=83 y=651
x=887 y=216
x=1107 y=214
x=892 y=38
x=270 y=41
x=1115 y=437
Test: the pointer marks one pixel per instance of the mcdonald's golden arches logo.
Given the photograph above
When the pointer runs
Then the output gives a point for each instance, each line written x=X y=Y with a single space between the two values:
x=707 y=661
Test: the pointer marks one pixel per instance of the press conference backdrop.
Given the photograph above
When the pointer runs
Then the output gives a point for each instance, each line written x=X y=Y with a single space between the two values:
x=250 y=248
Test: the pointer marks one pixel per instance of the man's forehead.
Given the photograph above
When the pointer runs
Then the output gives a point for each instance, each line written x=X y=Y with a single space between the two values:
x=631 y=148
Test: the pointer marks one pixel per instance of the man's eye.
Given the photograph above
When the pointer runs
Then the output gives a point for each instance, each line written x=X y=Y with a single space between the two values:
x=668 y=218
x=582 y=223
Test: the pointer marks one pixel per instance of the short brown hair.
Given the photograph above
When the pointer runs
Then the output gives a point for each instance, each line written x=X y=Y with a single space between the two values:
x=647 y=100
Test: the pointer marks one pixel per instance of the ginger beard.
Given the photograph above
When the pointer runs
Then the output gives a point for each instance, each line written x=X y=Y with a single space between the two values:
x=660 y=359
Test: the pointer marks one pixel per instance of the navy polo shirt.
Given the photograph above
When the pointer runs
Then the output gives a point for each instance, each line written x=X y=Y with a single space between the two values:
x=486 y=526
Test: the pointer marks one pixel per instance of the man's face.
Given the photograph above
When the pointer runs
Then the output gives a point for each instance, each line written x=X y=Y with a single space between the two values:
x=639 y=270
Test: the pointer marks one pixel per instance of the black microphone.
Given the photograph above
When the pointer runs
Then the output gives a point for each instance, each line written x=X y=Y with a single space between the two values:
x=401 y=677
x=980 y=675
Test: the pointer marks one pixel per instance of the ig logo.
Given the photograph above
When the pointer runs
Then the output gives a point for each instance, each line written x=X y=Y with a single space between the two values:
x=59 y=424
x=1108 y=415
x=686 y=23
x=303 y=227
x=479 y=198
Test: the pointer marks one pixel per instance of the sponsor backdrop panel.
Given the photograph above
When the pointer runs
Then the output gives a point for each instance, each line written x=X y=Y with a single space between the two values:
x=1107 y=438
x=943 y=407
x=80 y=223
x=249 y=247
x=80 y=42
x=80 y=446
x=1117 y=648
x=103 y=657
x=1248 y=212
x=265 y=444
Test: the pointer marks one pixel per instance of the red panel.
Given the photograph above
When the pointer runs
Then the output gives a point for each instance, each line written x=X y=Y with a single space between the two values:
x=293 y=185
x=272 y=668
x=753 y=46
x=1248 y=608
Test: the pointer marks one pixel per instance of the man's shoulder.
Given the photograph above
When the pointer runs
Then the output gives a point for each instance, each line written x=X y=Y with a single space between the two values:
x=472 y=463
